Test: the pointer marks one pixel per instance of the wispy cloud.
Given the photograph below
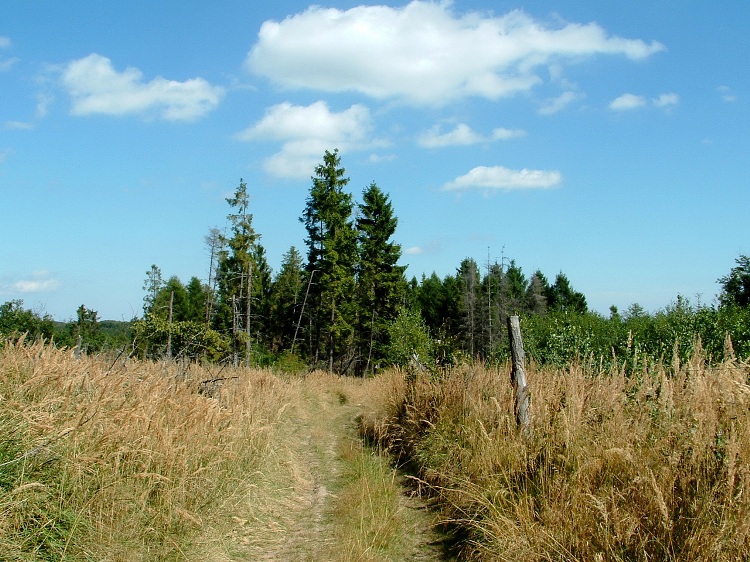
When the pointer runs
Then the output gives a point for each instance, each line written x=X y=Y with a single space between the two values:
x=463 y=135
x=97 y=88
x=37 y=282
x=666 y=100
x=553 y=105
x=6 y=64
x=727 y=94
x=18 y=125
x=424 y=53
x=499 y=177
x=306 y=132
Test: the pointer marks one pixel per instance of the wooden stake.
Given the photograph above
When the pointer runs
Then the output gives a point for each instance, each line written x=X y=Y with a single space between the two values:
x=522 y=402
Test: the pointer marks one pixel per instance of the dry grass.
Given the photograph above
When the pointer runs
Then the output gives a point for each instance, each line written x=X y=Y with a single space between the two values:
x=654 y=466
x=123 y=461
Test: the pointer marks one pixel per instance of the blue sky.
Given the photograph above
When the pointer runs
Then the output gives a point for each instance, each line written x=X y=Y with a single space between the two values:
x=607 y=140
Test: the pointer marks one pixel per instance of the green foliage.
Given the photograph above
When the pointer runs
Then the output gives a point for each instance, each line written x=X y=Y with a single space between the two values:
x=190 y=339
x=380 y=280
x=675 y=333
x=736 y=285
x=15 y=321
x=332 y=258
x=409 y=337
x=286 y=297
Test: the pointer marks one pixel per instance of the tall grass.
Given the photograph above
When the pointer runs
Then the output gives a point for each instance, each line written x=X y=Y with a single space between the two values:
x=653 y=465
x=122 y=461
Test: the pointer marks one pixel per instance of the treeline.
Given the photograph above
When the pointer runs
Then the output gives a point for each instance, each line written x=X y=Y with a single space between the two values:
x=347 y=306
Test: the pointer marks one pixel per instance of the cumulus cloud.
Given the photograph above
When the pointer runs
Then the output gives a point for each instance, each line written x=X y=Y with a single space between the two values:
x=423 y=53
x=96 y=87
x=499 y=177
x=627 y=102
x=306 y=132
x=463 y=135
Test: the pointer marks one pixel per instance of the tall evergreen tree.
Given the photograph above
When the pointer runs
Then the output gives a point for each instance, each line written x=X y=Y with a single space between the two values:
x=286 y=299
x=332 y=256
x=240 y=276
x=152 y=285
x=380 y=280
x=562 y=297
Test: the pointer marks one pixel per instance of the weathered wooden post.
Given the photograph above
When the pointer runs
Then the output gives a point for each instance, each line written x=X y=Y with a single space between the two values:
x=522 y=399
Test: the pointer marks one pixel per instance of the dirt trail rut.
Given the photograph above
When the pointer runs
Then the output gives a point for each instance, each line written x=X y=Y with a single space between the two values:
x=291 y=513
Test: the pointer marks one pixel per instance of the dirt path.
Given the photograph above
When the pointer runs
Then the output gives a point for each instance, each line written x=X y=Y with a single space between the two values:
x=299 y=507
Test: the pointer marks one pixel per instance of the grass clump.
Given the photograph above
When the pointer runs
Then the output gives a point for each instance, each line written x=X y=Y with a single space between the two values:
x=649 y=466
x=121 y=462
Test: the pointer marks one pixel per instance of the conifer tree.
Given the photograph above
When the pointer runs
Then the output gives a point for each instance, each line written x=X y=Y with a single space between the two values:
x=380 y=280
x=286 y=300
x=240 y=275
x=332 y=256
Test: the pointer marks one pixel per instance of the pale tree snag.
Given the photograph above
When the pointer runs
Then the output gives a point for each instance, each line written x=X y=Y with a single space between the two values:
x=522 y=397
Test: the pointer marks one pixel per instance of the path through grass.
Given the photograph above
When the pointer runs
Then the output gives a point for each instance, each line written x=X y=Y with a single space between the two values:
x=323 y=495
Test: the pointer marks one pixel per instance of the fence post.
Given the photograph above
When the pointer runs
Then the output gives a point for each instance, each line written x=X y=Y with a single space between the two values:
x=522 y=398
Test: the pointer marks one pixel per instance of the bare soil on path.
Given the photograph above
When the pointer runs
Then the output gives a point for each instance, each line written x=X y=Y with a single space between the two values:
x=300 y=505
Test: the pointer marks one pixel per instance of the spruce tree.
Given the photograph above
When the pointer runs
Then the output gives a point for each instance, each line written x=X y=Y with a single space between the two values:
x=287 y=294
x=332 y=256
x=380 y=280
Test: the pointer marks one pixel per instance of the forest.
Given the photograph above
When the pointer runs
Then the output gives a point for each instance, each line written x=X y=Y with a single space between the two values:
x=345 y=305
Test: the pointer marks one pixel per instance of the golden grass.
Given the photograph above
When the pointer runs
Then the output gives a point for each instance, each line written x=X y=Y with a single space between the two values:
x=123 y=461
x=652 y=466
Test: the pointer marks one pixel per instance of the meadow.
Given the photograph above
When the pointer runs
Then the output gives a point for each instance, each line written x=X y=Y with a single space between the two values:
x=106 y=458
x=619 y=465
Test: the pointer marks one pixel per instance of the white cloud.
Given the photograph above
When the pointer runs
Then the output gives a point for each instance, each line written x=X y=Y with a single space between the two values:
x=4 y=42
x=413 y=251
x=499 y=177
x=96 y=87
x=37 y=282
x=306 y=132
x=559 y=103
x=4 y=153
x=727 y=94
x=667 y=100
x=463 y=135
x=423 y=53
x=626 y=102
